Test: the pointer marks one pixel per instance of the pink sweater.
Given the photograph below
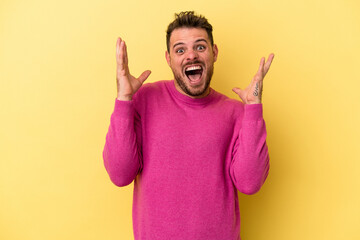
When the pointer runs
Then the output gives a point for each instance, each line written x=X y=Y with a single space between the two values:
x=188 y=158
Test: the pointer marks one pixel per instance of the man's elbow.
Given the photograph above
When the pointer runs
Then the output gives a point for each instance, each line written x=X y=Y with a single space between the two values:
x=120 y=182
x=120 y=174
x=250 y=189
x=120 y=177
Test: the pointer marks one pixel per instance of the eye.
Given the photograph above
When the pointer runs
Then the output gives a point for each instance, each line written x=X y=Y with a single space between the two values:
x=200 y=48
x=180 y=50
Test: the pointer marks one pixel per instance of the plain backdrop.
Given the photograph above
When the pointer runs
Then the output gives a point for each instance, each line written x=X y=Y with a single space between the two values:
x=57 y=92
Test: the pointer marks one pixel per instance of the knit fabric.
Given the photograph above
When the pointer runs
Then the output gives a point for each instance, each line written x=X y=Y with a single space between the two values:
x=187 y=157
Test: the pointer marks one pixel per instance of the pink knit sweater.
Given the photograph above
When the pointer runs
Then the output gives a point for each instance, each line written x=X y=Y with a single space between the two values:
x=188 y=158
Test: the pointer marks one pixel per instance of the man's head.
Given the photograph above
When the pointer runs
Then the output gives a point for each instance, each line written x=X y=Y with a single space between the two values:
x=189 y=20
x=191 y=53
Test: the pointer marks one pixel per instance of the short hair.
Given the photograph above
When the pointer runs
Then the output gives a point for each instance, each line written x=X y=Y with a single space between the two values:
x=189 y=19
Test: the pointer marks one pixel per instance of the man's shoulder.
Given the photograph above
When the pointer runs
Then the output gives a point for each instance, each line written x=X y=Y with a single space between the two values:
x=228 y=107
x=156 y=84
x=151 y=89
x=227 y=101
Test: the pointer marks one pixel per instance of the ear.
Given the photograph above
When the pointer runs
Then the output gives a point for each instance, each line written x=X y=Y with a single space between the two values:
x=167 y=56
x=215 y=52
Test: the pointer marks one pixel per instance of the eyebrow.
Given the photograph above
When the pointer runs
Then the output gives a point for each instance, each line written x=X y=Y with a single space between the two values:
x=181 y=43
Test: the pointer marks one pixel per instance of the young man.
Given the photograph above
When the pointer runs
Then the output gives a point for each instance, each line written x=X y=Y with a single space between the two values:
x=188 y=148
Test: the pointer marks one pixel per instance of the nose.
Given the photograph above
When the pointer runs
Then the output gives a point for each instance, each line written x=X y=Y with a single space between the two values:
x=192 y=55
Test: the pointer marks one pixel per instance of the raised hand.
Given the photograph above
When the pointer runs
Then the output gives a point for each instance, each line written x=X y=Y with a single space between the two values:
x=253 y=93
x=127 y=84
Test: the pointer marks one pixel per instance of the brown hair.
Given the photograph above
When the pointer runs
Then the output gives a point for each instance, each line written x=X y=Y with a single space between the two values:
x=189 y=19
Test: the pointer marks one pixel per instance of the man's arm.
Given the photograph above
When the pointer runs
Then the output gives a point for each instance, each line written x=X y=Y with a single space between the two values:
x=122 y=151
x=250 y=164
x=250 y=159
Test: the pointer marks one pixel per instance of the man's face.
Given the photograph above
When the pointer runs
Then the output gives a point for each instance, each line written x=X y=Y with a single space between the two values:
x=191 y=58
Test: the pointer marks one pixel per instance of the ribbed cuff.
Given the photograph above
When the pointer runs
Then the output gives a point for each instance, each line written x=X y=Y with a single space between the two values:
x=124 y=108
x=253 y=112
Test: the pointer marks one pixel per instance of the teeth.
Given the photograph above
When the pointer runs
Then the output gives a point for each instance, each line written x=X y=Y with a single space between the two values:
x=193 y=68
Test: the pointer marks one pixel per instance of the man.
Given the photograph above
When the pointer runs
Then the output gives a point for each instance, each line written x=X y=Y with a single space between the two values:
x=188 y=148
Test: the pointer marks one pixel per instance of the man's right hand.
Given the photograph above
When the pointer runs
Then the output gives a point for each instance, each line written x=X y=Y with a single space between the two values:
x=127 y=84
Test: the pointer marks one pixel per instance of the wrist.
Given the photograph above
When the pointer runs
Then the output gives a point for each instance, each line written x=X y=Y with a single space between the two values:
x=253 y=102
x=124 y=98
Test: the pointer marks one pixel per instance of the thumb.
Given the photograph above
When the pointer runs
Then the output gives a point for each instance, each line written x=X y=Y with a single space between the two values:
x=239 y=92
x=144 y=76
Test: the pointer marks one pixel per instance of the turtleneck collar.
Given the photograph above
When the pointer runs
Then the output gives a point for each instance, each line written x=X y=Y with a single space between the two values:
x=189 y=100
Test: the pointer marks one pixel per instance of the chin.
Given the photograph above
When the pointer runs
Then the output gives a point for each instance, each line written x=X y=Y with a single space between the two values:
x=193 y=91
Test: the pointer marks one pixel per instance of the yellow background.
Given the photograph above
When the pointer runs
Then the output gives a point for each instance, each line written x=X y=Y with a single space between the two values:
x=57 y=71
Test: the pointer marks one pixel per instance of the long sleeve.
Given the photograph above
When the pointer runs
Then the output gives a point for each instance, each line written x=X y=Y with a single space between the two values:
x=250 y=158
x=121 y=154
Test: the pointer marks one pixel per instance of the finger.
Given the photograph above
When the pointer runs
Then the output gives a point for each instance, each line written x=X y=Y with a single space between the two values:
x=144 y=76
x=261 y=67
x=121 y=56
x=268 y=63
x=118 y=49
x=125 y=55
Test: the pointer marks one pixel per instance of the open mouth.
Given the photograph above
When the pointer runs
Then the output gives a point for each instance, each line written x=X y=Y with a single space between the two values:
x=194 y=73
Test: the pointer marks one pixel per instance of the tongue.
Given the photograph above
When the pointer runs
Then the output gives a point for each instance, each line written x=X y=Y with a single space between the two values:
x=194 y=77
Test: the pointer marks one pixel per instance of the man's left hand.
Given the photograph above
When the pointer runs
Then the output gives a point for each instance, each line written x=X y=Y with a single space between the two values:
x=253 y=93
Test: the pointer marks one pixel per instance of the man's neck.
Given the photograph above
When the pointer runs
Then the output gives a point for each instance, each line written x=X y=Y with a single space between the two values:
x=179 y=89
